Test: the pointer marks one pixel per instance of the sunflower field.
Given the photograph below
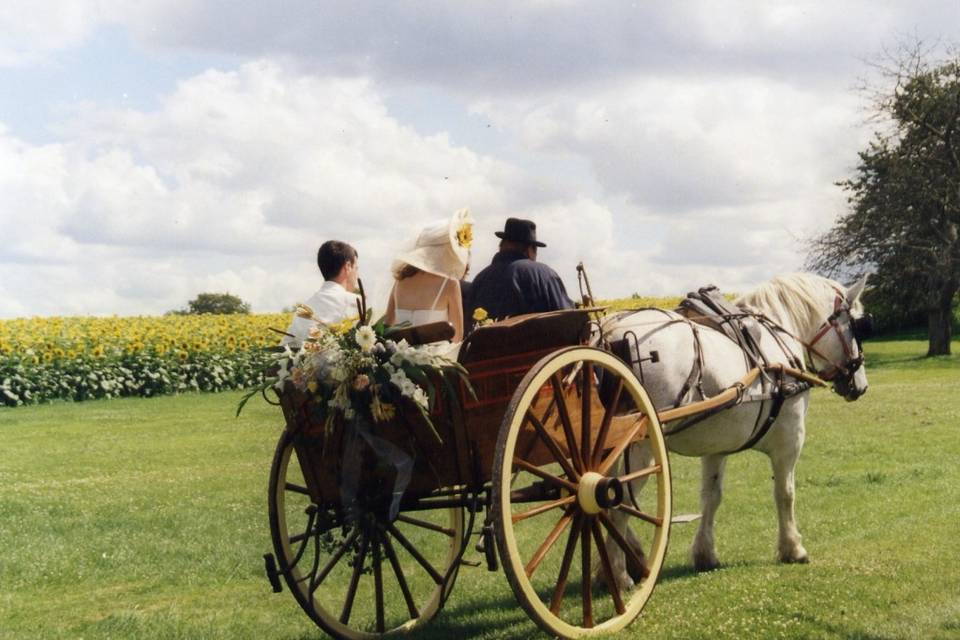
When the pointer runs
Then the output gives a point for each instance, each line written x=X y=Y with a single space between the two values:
x=81 y=358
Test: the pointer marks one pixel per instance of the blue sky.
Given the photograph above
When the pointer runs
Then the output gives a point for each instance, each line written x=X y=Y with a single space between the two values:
x=152 y=152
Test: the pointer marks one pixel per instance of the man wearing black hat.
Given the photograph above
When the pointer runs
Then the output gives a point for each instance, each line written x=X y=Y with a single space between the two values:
x=515 y=283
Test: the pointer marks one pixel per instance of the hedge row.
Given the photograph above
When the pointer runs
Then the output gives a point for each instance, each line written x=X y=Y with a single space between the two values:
x=141 y=375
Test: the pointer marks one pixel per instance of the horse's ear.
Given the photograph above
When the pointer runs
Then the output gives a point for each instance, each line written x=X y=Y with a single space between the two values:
x=854 y=291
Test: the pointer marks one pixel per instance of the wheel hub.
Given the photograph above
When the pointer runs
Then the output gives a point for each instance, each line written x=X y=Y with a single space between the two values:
x=597 y=492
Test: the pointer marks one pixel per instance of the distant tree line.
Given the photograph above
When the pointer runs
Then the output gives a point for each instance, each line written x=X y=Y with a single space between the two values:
x=220 y=303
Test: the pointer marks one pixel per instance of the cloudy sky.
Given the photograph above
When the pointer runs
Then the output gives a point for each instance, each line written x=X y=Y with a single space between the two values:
x=154 y=150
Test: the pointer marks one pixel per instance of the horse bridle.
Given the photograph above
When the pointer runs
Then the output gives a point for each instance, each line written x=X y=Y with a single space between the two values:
x=861 y=328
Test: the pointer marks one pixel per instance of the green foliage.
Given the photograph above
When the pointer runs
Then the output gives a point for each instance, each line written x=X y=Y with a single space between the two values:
x=905 y=201
x=142 y=375
x=220 y=303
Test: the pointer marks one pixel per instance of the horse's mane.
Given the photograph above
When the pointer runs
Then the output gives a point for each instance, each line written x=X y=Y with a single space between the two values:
x=801 y=301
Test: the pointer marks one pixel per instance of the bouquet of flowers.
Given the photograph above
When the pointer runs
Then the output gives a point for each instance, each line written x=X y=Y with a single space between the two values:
x=355 y=370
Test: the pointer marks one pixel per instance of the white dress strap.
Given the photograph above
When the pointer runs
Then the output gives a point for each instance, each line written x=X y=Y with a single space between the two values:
x=439 y=292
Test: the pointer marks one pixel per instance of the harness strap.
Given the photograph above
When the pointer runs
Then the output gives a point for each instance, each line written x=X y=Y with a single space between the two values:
x=775 y=331
x=777 y=403
x=695 y=378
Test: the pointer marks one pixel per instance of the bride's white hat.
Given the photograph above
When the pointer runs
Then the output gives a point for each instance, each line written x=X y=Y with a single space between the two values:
x=442 y=247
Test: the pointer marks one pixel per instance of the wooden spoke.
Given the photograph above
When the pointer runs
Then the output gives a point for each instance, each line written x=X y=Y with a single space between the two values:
x=296 y=488
x=401 y=579
x=549 y=477
x=354 y=581
x=586 y=588
x=304 y=538
x=312 y=574
x=636 y=513
x=406 y=544
x=378 y=583
x=628 y=551
x=426 y=525
x=358 y=579
x=334 y=559
x=607 y=568
x=605 y=423
x=565 y=565
x=565 y=422
x=641 y=473
x=621 y=446
x=552 y=446
x=585 y=407
x=541 y=553
x=523 y=515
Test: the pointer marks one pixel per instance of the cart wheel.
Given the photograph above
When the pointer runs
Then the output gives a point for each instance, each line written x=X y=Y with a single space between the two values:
x=555 y=477
x=367 y=578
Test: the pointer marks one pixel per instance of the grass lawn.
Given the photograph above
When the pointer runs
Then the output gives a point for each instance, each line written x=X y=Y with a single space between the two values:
x=146 y=518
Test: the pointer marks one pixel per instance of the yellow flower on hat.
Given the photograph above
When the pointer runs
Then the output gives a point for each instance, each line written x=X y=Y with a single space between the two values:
x=465 y=235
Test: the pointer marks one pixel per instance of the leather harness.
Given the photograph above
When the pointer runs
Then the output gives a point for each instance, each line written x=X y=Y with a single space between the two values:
x=708 y=307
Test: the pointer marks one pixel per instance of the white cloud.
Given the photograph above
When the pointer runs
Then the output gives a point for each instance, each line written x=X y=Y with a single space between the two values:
x=232 y=183
x=681 y=144
x=663 y=145
x=493 y=48
x=236 y=178
x=30 y=30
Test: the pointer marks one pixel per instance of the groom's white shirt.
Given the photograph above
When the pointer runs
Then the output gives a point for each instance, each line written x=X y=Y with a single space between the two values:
x=331 y=303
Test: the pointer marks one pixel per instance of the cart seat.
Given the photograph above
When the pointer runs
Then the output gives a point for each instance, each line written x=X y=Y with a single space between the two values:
x=424 y=333
x=498 y=355
x=524 y=334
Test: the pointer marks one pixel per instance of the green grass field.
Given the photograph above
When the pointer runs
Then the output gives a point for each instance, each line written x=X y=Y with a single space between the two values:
x=146 y=518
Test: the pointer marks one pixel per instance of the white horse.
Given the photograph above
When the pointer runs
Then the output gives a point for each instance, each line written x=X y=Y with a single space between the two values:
x=818 y=323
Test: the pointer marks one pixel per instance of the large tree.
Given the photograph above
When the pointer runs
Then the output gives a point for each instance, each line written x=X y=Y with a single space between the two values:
x=904 y=198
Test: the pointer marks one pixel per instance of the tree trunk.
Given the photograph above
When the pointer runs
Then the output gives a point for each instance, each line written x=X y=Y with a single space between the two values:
x=940 y=326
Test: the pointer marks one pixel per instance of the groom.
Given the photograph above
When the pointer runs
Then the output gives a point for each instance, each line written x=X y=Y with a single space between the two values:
x=515 y=283
x=335 y=300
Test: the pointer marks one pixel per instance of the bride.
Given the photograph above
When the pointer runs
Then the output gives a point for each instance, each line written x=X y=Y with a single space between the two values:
x=427 y=276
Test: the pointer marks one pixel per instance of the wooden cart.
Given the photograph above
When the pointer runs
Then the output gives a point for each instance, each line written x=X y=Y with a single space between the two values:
x=370 y=526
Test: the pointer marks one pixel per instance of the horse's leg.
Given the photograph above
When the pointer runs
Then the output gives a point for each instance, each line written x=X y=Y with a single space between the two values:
x=703 y=551
x=627 y=573
x=783 y=459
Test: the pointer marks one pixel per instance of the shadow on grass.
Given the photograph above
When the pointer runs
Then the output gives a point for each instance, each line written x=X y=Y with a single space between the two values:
x=680 y=572
x=466 y=618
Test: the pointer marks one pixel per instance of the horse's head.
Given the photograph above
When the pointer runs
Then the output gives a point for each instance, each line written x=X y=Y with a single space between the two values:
x=835 y=350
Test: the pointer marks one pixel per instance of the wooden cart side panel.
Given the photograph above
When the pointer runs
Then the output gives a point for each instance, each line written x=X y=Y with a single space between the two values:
x=320 y=453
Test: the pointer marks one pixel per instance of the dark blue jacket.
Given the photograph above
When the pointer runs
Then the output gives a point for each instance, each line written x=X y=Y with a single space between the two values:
x=513 y=285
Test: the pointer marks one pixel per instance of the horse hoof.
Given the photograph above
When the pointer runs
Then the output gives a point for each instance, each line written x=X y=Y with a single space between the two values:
x=624 y=583
x=705 y=562
x=799 y=559
x=638 y=573
x=797 y=555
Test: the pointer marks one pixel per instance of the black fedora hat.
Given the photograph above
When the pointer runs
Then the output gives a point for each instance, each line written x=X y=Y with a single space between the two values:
x=522 y=231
